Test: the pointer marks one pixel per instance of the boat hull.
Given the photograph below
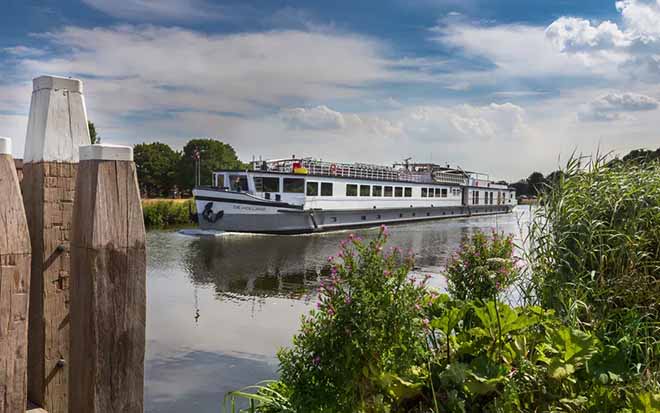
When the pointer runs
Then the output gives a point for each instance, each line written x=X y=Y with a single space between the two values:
x=236 y=212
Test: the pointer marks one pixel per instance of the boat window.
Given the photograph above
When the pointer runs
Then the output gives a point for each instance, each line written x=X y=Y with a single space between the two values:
x=431 y=195
x=326 y=188
x=388 y=191
x=491 y=198
x=266 y=184
x=408 y=192
x=312 y=188
x=424 y=190
x=220 y=180
x=377 y=190
x=238 y=182
x=365 y=190
x=444 y=192
x=351 y=190
x=437 y=192
x=294 y=185
x=398 y=191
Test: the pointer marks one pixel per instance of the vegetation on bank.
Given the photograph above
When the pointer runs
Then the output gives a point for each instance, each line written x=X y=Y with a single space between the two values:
x=164 y=172
x=584 y=337
x=161 y=213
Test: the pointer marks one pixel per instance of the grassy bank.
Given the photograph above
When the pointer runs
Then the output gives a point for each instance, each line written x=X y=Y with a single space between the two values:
x=585 y=338
x=163 y=213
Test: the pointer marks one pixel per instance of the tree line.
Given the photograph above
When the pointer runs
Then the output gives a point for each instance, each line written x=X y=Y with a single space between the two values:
x=164 y=172
x=534 y=184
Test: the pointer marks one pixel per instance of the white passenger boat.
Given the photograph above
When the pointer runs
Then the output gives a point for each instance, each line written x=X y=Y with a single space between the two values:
x=292 y=196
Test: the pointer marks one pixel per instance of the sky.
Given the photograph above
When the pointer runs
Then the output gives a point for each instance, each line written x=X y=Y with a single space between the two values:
x=503 y=87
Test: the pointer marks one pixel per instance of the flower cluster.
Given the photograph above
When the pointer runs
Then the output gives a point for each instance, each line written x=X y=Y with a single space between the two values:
x=369 y=317
x=483 y=267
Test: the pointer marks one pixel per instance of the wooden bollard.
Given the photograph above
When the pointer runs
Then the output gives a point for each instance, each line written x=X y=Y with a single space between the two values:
x=108 y=300
x=14 y=286
x=56 y=127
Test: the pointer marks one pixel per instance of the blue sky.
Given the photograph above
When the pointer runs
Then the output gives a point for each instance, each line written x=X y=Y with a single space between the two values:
x=502 y=86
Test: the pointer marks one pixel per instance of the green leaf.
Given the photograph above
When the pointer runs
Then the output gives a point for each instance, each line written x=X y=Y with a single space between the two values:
x=646 y=403
x=573 y=345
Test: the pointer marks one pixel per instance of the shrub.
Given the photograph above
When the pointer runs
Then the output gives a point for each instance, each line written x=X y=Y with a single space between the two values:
x=358 y=350
x=595 y=255
x=162 y=213
x=491 y=357
x=483 y=267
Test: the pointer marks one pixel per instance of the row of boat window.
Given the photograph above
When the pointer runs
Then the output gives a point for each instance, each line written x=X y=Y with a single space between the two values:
x=298 y=186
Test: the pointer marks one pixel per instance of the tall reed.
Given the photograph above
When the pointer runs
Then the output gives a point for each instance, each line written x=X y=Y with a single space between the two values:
x=595 y=254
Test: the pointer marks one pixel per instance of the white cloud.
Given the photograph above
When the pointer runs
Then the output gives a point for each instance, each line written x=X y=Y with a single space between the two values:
x=152 y=69
x=517 y=51
x=641 y=19
x=157 y=9
x=575 y=34
x=320 y=117
x=615 y=106
x=636 y=43
x=22 y=51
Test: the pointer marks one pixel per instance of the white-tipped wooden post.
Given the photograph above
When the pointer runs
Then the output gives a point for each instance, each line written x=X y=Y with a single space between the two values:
x=14 y=286
x=108 y=300
x=56 y=127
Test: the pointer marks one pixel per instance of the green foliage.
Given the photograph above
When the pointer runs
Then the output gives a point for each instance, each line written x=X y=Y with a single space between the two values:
x=162 y=213
x=501 y=359
x=483 y=267
x=156 y=165
x=92 y=133
x=595 y=255
x=214 y=156
x=358 y=351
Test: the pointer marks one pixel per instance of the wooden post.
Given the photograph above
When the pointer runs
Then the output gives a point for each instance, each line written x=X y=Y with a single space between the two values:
x=14 y=286
x=56 y=127
x=108 y=300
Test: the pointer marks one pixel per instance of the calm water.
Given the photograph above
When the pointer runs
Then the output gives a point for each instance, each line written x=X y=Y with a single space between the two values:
x=219 y=308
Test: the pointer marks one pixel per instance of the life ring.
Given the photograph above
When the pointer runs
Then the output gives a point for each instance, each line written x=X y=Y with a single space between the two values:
x=333 y=169
x=209 y=215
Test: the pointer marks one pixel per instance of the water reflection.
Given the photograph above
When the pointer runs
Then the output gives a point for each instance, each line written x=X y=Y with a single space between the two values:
x=239 y=265
x=219 y=308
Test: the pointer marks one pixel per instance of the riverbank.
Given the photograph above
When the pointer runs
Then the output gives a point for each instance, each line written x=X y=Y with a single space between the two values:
x=168 y=213
x=582 y=336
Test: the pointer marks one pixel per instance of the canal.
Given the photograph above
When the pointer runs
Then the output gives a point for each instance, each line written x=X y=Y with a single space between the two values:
x=219 y=308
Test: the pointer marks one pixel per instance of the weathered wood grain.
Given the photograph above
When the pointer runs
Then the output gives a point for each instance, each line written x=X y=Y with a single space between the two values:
x=48 y=193
x=108 y=300
x=14 y=287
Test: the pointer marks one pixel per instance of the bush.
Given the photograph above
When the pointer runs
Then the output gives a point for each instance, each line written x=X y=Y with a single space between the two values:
x=482 y=268
x=162 y=213
x=595 y=255
x=491 y=357
x=368 y=331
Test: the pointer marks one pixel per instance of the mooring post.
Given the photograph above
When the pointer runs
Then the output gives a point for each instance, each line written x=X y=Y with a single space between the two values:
x=108 y=300
x=14 y=286
x=57 y=125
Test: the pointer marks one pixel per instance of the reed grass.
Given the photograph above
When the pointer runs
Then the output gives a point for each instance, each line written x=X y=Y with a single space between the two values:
x=594 y=250
x=162 y=213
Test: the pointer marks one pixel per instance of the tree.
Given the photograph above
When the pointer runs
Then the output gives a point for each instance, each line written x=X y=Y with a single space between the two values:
x=92 y=133
x=213 y=154
x=642 y=156
x=536 y=183
x=156 y=164
x=521 y=187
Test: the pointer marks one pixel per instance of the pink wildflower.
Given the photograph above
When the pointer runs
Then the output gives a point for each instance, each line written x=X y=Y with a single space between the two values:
x=347 y=300
x=316 y=360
